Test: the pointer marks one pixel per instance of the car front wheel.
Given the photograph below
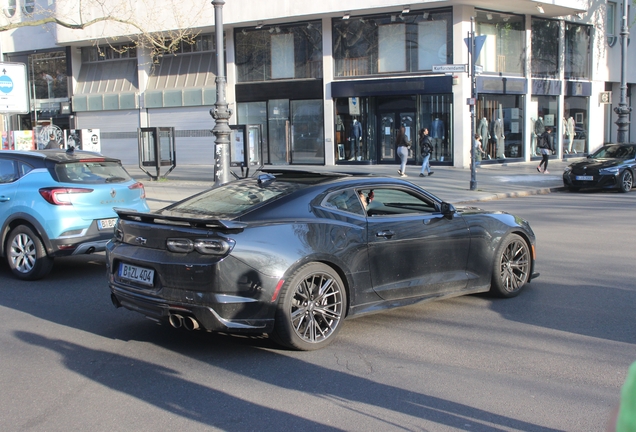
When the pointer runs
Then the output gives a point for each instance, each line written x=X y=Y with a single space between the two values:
x=626 y=181
x=26 y=255
x=311 y=309
x=511 y=267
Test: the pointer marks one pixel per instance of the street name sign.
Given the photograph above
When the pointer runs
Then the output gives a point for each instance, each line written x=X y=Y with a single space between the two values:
x=450 y=68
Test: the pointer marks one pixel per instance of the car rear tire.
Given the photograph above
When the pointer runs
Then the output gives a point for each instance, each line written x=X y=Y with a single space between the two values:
x=311 y=309
x=26 y=255
x=511 y=267
x=626 y=181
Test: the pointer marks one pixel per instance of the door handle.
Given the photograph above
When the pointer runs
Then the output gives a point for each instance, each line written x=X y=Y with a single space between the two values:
x=385 y=234
x=4 y=198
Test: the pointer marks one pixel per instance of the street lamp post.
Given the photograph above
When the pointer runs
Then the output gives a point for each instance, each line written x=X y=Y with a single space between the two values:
x=622 y=109
x=473 y=97
x=220 y=113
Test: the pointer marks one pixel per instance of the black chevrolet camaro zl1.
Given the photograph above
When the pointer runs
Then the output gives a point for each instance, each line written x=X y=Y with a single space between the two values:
x=293 y=253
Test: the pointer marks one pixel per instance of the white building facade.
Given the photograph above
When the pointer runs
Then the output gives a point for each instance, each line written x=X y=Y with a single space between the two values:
x=331 y=86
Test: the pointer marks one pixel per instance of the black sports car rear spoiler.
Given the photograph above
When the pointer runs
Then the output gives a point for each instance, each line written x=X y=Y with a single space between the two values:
x=198 y=222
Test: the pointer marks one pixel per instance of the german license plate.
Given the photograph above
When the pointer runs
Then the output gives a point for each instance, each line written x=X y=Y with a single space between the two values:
x=585 y=178
x=103 y=224
x=136 y=274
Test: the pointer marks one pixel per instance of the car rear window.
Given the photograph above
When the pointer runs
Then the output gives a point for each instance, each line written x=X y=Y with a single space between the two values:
x=235 y=198
x=91 y=172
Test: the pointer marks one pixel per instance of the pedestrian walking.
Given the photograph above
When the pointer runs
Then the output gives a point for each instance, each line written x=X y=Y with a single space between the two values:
x=545 y=144
x=403 y=145
x=426 y=147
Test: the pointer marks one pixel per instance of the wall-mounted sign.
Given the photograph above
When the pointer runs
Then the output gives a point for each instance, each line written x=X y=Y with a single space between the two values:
x=605 y=97
x=14 y=98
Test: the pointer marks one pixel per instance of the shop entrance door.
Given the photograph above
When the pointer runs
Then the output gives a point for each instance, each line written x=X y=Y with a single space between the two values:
x=394 y=112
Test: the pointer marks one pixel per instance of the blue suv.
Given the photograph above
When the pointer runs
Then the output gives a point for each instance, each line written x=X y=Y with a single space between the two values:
x=57 y=203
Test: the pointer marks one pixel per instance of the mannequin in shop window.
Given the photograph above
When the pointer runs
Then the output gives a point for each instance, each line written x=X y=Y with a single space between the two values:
x=482 y=131
x=533 y=136
x=569 y=131
x=438 y=133
x=500 y=138
x=355 y=139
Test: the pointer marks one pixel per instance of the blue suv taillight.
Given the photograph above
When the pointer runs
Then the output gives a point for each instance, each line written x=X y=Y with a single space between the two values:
x=61 y=196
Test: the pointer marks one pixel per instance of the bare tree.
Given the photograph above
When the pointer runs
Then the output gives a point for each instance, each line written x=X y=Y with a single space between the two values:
x=159 y=26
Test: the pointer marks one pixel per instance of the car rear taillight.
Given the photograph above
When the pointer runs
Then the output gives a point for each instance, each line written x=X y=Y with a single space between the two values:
x=210 y=246
x=139 y=185
x=61 y=196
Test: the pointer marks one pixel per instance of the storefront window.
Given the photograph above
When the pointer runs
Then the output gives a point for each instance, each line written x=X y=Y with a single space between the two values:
x=500 y=124
x=279 y=52
x=255 y=113
x=577 y=51
x=544 y=112
x=392 y=43
x=354 y=139
x=48 y=75
x=576 y=116
x=545 y=48
x=504 y=48
x=308 y=143
x=435 y=114
x=292 y=130
x=367 y=127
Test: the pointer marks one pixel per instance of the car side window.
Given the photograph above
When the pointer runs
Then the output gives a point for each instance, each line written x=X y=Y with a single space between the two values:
x=344 y=200
x=388 y=201
x=24 y=168
x=8 y=171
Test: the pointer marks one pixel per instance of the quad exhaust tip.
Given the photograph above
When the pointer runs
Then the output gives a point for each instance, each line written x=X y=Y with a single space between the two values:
x=187 y=322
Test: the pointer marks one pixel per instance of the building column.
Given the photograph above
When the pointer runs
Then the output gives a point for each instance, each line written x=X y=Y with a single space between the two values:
x=329 y=113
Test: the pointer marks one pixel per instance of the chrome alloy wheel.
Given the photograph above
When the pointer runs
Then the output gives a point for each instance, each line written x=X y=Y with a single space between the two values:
x=316 y=307
x=514 y=265
x=23 y=253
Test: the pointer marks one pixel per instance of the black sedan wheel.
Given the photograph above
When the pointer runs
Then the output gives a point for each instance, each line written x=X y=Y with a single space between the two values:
x=512 y=266
x=312 y=308
x=626 y=181
x=26 y=255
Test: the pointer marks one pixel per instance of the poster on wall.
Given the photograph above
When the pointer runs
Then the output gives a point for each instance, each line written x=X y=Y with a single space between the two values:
x=91 y=140
x=83 y=139
x=6 y=141
x=23 y=139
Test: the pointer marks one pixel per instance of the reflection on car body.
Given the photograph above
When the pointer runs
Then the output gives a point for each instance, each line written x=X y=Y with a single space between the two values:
x=293 y=253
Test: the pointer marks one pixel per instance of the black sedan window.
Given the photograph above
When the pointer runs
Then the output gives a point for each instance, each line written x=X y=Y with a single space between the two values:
x=387 y=201
x=346 y=200
x=615 y=151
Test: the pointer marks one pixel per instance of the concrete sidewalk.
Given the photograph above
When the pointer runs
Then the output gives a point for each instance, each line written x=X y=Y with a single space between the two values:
x=494 y=181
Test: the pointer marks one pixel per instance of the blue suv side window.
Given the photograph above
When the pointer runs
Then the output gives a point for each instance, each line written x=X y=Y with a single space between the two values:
x=8 y=172
x=24 y=168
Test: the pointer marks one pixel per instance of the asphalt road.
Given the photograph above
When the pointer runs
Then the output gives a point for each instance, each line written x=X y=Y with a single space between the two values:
x=553 y=358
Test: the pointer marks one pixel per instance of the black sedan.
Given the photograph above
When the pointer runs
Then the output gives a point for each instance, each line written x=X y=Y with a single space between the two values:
x=293 y=253
x=610 y=167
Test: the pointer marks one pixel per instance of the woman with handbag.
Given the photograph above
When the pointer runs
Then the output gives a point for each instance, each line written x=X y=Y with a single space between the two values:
x=426 y=147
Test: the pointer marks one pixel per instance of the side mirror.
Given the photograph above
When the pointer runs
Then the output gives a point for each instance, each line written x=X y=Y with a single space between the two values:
x=448 y=210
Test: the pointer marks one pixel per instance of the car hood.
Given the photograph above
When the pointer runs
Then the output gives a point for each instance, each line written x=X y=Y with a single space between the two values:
x=596 y=163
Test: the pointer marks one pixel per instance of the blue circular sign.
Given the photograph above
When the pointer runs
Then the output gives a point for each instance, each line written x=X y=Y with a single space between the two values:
x=6 y=84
